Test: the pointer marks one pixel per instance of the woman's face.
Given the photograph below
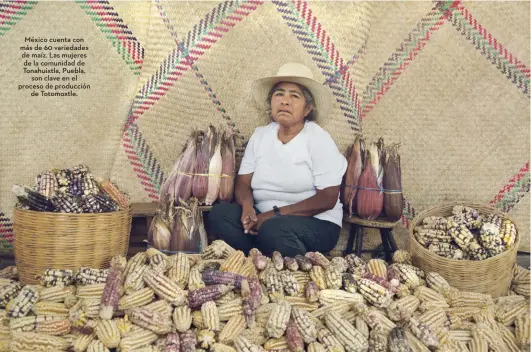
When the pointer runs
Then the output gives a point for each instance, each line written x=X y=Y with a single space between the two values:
x=288 y=105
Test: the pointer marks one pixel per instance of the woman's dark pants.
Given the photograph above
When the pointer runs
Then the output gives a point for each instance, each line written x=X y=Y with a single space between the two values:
x=288 y=234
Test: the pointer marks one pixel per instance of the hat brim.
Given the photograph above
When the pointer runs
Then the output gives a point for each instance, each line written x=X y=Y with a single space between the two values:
x=321 y=94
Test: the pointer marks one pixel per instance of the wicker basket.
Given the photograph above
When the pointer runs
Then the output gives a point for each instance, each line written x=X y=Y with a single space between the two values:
x=67 y=241
x=491 y=276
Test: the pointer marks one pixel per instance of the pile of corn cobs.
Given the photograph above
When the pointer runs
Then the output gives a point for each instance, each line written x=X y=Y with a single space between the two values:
x=466 y=234
x=223 y=301
x=71 y=190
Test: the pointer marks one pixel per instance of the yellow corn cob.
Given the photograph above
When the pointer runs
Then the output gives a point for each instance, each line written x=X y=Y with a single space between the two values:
x=197 y=320
x=329 y=340
x=205 y=338
x=276 y=344
x=160 y=306
x=157 y=322
x=509 y=339
x=136 y=299
x=55 y=293
x=218 y=249
x=138 y=338
x=522 y=331
x=302 y=277
x=124 y=326
x=233 y=328
x=22 y=304
x=31 y=341
x=50 y=308
x=134 y=281
x=233 y=262
x=508 y=233
x=210 y=313
x=219 y=347
x=97 y=346
x=90 y=291
x=164 y=287
x=332 y=275
x=195 y=279
x=469 y=299
x=403 y=307
x=182 y=318
x=230 y=309
x=248 y=269
x=317 y=275
x=180 y=269
x=348 y=336
x=82 y=342
x=301 y=303
x=53 y=327
x=377 y=267
x=278 y=319
x=108 y=333
x=305 y=324
x=328 y=297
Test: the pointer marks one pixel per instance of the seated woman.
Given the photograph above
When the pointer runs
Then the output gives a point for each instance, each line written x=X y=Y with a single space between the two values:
x=287 y=188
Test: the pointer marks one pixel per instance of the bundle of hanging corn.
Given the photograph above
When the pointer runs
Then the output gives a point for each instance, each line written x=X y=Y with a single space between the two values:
x=215 y=166
x=200 y=179
x=71 y=190
x=228 y=168
x=370 y=196
x=178 y=185
x=392 y=183
x=355 y=155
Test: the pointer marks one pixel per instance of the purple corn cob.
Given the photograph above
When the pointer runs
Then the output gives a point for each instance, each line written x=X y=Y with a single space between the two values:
x=256 y=292
x=75 y=188
x=311 y=291
x=294 y=337
x=196 y=298
x=278 y=262
x=381 y=281
x=188 y=341
x=304 y=263
x=248 y=305
x=291 y=264
x=172 y=343
x=113 y=288
x=317 y=259
x=260 y=262
x=349 y=283
x=215 y=277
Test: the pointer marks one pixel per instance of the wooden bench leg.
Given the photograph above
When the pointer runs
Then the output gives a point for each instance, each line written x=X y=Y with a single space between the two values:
x=392 y=241
x=384 y=234
x=350 y=242
x=359 y=240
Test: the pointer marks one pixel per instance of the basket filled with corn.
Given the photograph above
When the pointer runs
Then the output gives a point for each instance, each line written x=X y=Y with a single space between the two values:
x=473 y=246
x=67 y=220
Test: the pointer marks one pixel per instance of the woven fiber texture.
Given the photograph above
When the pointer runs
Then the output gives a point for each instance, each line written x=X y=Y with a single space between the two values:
x=448 y=80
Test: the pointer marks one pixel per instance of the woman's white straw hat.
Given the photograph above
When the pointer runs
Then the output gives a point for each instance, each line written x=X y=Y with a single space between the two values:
x=294 y=73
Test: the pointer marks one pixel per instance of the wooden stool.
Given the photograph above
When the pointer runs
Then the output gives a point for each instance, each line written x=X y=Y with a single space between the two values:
x=356 y=233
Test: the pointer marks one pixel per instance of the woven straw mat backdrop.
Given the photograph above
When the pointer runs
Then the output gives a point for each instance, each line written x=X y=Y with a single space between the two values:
x=448 y=80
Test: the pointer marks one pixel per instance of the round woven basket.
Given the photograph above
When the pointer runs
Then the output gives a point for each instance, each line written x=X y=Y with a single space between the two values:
x=46 y=240
x=491 y=276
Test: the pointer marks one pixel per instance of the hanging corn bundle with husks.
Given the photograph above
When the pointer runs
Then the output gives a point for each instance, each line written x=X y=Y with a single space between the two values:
x=200 y=179
x=228 y=168
x=159 y=233
x=370 y=197
x=188 y=234
x=392 y=184
x=71 y=190
x=179 y=182
x=215 y=166
x=355 y=155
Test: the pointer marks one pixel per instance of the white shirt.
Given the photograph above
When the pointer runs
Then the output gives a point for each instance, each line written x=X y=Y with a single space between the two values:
x=288 y=173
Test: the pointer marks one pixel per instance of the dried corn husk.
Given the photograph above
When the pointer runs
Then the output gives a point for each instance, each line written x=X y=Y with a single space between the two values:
x=214 y=168
x=184 y=237
x=369 y=201
x=179 y=182
x=200 y=179
x=355 y=166
x=159 y=234
x=392 y=183
x=228 y=159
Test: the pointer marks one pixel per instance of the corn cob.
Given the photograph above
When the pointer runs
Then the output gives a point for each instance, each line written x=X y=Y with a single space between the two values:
x=157 y=260
x=124 y=325
x=233 y=262
x=272 y=281
x=21 y=305
x=7 y=293
x=50 y=308
x=135 y=261
x=5 y=338
x=508 y=233
x=428 y=236
x=460 y=234
x=293 y=337
x=46 y=184
x=435 y=222
x=317 y=275
x=195 y=280
x=53 y=327
x=33 y=200
x=390 y=286
x=227 y=297
x=219 y=347
x=522 y=329
x=197 y=297
x=82 y=342
x=378 y=295
x=97 y=346
x=347 y=335
x=467 y=216
x=243 y=345
x=278 y=319
x=94 y=291
x=522 y=289
x=108 y=333
x=206 y=338
x=114 y=193
x=401 y=256
x=249 y=303
x=423 y=332
x=233 y=328
x=405 y=274
x=312 y=292
x=374 y=318
x=338 y=307
x=509 y=340
x=521 y=276
x=260 y=261
x=159 y=323
x=218 y=249
x=490 y=238
x=299 y=302
x=436 y=282
x=278 y=261
x=136 y=299
x=31 y=341
x=403 y=307
x=171 y=343
x=213 y=277
x=256 y=335
x=305 y=324
x=434 y=318
x=134 y=281
x=427 y=294
x=329 y=340
x=136 y=339
x=263 y=312
x=230 y=309
x=182 y=318
x=210 y=315
x=57 y=277
x=188 y=341
x=91 y=308
x=476 y=252
x=289 y=283
x=469 y=299
x=397 y=341
x=331 y=296
x=55 y=293
x=164 y=288
x=248 y=269
x=378 y=341
x=486 y=334
x=276 y=344
x=377 y=267
x=317 y=259
x=9 y=272
x=447 y=250
x=333 y=278
x=180 y=269
x=349 y=283
x=205 y=264
x=304 y=263
x=113 y=288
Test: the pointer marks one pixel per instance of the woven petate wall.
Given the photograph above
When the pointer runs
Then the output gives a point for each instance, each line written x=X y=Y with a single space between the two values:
x=447 y=80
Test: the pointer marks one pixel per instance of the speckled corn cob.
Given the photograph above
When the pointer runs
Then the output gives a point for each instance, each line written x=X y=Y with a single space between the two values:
x=403 y=307
x=374 y=318
x=436 y=282
x=272 y=281
x=331 y=296
x=31 y=341
x=209 y=293
x=405 y=274
x=397 y=341
x=305 y=324
x=278 y=319
x=378 y=341
x=113 y=289
x=435 y=222
x=157 y=322
x=65 y=203
x=9 y=272
x=233 y=328
x=164 y=287
x=317 y=275
x=289 y=283
x=329 y=340
x=188 y=341
x=490 y=238
x=157 y=260
x=376 y=294
x=57 y=277
x=136 y=339
x=21 y=305
x=332 y=275
x=263 y=312
x=317 y=259
x=434 y=318
x=351 y=339
x=446 y=250
x=304 y=263
x=460 y=234
x=182 y=318
x=218 y=249
x=8 y=292
x=250 y=300
x=467 y=216
x=213 y=277
x=423 y=332
x=469 y=299
x=428 y=236
x=278 y=261
x=476 y=252
x=401 y=256
x=293 y=337
x=508 y=233
x=349 y=283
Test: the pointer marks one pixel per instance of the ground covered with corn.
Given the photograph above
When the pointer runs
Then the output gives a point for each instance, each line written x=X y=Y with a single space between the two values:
x=223 y=301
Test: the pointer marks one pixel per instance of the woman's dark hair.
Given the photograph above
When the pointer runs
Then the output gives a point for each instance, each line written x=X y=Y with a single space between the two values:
x=308 y=98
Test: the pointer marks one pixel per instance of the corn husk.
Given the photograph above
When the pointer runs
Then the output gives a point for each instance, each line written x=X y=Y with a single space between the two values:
x=179 y=182
x=392 y=181
x=369 y=198
x=183 y=238
x=214 y=168
x=200 y=179
x=355 y=166
x=159 y=233
x=228 y=160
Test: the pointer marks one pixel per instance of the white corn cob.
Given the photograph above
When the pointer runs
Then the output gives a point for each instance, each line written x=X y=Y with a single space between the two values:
x=182 y=318
x=138 y=259
x=164 y=287
x=509 y=339
x=136 y=339
x=210 y=313
x=218 y=249
x=436 y=282
x=97 y=346
x=135 y=280
x=376 y=294
x=328 y=297
x=233 y=328
x=31 y=341
x=55 y=293
x=351 y=339
x=289 y=282
x=522 y=331
x=403 y=307
x=82 y=341
x=136 y=299
x=230 y=309
x=108 y=333
x=338 y=307
x=278 y=319
x=301 y=302
x=195 y=279
x=91 y=308
x=180 y=269
x=159 y=323
x=90 y=291
x=332 y=275
x=329 y=340
x=305 y=324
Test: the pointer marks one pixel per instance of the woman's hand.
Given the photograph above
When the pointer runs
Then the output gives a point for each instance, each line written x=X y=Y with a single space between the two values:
x=261 y=218
x=248 y=219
